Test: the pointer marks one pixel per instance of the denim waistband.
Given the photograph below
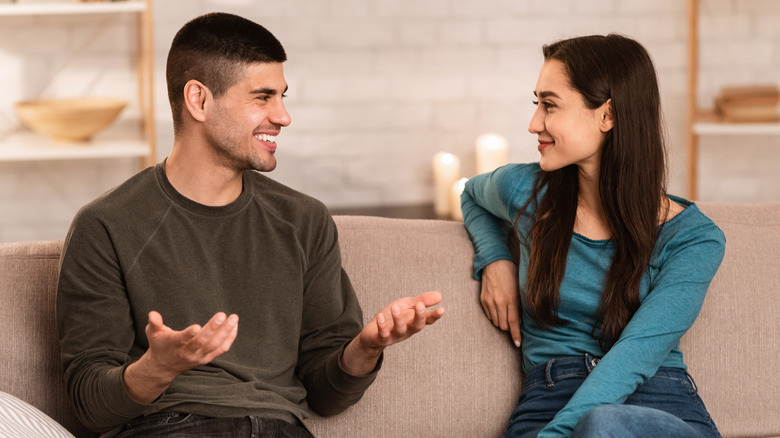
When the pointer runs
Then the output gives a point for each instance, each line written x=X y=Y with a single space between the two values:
x=580 y=366
x=557 y=369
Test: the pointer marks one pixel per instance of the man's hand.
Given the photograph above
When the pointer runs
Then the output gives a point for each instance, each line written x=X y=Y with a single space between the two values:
x=394 y=323
x=499 y=297
x=172 y=352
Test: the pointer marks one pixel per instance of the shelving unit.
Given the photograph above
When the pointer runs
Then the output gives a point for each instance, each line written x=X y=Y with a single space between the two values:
x=701 y=123
x=118 y=140
x=71 y=8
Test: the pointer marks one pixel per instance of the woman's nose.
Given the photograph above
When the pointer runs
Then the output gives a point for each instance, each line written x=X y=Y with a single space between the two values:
x=536 y=125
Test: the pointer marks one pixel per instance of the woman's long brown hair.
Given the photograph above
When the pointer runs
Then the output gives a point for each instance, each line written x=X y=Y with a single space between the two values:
x=631 y=182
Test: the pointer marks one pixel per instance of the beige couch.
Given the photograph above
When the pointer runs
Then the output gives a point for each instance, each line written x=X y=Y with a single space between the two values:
x=459 y=378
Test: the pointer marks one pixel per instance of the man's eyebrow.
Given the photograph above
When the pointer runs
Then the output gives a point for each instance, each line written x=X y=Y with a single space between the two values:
x=269 y=91
x=544 y=94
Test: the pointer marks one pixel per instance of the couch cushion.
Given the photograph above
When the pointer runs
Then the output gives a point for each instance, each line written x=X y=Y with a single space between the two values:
x=733 y=347
x=459 y=377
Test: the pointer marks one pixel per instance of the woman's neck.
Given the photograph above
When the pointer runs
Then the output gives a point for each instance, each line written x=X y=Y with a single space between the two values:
x=591 y=221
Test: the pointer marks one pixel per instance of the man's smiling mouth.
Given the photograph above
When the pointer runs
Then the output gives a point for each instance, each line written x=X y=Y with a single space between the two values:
x=266 y=137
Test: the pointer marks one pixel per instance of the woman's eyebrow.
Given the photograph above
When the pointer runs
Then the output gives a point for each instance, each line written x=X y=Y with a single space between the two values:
x=544 y=94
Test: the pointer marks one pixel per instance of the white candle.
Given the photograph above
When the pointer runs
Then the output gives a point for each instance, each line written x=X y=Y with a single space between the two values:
x=446 y=170
x=457 y=190
x=492 y=152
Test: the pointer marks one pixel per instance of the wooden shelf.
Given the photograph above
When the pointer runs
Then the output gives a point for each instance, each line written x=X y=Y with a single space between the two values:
x=116 y=142
x=717 y=128
x=708 y=124
x=71 y=8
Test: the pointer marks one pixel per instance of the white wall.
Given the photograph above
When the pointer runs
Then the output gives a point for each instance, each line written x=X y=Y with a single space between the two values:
x=378 y=86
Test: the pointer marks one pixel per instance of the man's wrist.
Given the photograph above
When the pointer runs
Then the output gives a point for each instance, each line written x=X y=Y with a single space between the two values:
x=145 y=382
x=359 y=360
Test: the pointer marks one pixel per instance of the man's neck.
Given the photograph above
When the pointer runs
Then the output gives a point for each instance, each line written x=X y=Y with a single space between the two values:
x=198 y=176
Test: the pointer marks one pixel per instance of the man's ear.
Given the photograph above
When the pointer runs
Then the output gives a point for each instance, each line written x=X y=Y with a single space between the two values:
x=607 y=120
x=195 y=97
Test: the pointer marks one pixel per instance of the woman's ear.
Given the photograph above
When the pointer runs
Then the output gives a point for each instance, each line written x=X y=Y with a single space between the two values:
x=607 y=120
x=195 y=97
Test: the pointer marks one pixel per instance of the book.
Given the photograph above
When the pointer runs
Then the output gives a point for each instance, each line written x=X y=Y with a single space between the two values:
x=750 y=103
x=747 y=92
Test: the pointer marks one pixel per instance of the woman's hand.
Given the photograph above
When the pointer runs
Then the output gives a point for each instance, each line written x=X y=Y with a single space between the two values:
x=499 y=297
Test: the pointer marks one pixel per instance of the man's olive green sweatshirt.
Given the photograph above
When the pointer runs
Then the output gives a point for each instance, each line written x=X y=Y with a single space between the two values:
x=271 y=256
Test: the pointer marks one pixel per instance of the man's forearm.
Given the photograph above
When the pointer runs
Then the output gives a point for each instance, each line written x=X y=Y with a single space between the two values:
x=360 y=361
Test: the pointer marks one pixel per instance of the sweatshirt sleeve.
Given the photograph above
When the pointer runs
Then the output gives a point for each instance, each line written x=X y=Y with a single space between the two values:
x=95 y=327
x=332 y=318
x=490 y=203
x=666 y=313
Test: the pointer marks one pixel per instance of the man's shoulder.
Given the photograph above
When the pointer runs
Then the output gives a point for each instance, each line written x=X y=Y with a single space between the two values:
x=284 y=199
x=133 y=194
x=300 y=215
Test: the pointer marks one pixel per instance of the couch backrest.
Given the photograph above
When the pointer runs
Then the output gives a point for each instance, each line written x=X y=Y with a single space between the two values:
x=457 y=378
x=460 y=377
x=733 y=348
x=730 y=350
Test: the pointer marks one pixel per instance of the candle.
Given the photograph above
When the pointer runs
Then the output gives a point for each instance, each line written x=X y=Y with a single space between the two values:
x=492 y=152
x=457 y=189
x=446 y=170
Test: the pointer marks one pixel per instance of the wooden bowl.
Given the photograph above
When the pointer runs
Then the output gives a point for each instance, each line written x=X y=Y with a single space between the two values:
x=69 y=120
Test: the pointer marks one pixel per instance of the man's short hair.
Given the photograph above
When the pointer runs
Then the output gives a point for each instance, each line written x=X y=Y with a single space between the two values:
x=214 y=49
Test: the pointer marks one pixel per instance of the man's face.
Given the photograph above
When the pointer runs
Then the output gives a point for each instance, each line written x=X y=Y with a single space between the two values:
x=243 y=123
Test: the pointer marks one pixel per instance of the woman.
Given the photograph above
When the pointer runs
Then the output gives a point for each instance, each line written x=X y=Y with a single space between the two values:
x=611 y=270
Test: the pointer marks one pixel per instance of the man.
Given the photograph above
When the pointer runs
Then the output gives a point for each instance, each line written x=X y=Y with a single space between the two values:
x=203 y=237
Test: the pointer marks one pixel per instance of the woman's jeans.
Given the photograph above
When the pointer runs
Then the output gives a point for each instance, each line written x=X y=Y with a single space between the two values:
x=176 y=425
x=667 y=405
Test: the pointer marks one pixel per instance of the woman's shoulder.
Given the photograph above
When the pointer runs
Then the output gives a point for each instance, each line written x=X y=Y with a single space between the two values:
x=520 y=170
x=685 y=213
x=688 y=225
x=513 y=176
x=515 y=182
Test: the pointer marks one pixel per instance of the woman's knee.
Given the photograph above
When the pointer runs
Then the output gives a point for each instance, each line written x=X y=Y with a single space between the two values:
x=622 y=421
x=602 y=421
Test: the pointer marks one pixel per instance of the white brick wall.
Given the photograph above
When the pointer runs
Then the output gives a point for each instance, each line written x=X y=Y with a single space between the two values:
x=378 y=86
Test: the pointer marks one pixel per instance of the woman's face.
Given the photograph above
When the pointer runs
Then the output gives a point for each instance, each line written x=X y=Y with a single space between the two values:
x=568 y=131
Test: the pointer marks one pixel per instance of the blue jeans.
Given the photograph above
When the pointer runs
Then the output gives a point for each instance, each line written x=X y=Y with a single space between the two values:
x=667 y=405
x=177 y=425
